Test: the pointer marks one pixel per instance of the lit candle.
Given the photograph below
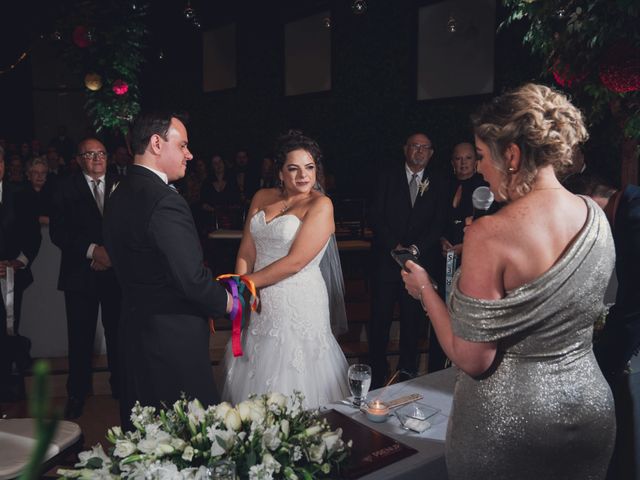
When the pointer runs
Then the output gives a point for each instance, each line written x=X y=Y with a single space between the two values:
x=377 y=411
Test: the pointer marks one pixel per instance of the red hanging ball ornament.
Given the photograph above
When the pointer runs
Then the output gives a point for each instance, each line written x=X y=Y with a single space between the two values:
x=620 y=69
x=120 y=87
x=563 y=75
x=81 y=36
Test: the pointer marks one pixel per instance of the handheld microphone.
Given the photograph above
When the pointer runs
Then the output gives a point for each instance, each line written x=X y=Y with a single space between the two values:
x=482 y=198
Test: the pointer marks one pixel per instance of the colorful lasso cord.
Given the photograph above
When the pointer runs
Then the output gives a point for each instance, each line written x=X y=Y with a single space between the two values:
x=238 y=286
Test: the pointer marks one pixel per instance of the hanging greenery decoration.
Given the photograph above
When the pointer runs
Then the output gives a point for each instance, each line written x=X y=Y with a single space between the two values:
x=104 y=42
x=592 y=49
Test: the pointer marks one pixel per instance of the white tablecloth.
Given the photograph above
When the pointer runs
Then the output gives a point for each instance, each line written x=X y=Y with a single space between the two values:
x=428 y=463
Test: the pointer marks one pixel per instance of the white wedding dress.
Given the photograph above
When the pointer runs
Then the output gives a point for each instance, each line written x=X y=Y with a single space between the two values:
x=288 y=345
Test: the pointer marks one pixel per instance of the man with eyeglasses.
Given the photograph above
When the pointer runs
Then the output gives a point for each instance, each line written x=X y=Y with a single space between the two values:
x=407 y=210
x=86 y=276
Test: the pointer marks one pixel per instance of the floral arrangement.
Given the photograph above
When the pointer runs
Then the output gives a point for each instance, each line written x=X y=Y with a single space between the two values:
x=267 y=437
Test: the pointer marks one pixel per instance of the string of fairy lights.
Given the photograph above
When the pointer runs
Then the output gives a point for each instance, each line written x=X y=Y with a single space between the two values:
x=21 y=58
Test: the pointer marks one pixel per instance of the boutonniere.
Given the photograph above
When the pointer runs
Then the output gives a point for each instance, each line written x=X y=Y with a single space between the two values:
x=423 y=185
x=113 y=187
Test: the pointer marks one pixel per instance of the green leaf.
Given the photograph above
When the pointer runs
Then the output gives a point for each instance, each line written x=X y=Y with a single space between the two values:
x=95 y=463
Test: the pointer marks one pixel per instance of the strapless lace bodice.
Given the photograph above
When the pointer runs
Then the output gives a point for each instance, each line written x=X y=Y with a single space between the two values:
x=273 y=240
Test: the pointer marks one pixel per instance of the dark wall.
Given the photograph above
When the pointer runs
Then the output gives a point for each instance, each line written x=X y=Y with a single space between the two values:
x=361 y=123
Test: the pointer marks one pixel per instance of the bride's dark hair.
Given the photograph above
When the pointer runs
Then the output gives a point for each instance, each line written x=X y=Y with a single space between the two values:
x=296 y=140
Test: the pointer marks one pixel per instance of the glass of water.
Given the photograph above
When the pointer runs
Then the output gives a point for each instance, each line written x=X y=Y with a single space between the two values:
x=222 y=470
x=359 y=382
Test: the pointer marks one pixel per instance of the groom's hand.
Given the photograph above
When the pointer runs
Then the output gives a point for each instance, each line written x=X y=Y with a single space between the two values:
x=229 y=302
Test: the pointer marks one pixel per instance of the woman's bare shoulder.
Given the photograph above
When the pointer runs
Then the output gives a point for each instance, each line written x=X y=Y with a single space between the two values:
x=266 y=196
x=320 y=203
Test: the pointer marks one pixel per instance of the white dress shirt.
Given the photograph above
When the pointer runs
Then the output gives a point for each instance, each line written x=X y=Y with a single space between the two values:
x=101 y=188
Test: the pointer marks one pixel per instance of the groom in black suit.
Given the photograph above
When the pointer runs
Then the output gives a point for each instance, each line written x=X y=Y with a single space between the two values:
x=168 y=293
x=408 y=209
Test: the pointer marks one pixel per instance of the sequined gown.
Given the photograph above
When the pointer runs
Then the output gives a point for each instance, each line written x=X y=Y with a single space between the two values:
x=288 y=345
x=544 y=410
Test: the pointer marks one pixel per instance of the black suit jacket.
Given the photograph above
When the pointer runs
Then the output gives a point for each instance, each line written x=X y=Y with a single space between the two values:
x=621 y=336
x=74 y=224
x=19 y=232
x=167 y=292
x=395 y=221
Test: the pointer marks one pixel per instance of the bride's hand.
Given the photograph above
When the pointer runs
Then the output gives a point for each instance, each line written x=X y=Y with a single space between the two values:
x=415 y=279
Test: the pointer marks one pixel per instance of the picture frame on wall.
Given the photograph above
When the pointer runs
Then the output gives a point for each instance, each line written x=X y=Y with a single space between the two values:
x=307 y=55
x=456 y=49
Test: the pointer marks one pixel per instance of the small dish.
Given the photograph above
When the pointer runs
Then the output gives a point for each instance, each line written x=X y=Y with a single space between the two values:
x=415 y=416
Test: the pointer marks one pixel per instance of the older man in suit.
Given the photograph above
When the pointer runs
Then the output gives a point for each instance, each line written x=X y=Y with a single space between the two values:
x=407 y=210
x=168 y=292
x=86 y=276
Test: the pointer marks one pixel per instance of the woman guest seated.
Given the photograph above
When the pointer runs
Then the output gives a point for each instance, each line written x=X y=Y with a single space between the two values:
x=530 y=401
x=219 y=193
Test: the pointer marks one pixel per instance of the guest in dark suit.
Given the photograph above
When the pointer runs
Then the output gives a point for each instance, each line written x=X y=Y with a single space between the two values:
x=19 y=243
x=86 y=276
x=620 y=339
x=168 y=292
x=121 y=161
x=407 y=210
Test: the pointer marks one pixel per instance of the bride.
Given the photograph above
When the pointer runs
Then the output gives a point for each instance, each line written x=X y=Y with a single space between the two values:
x=288 y=344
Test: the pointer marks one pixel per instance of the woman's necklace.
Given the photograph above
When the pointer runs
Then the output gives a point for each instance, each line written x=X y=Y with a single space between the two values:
x=285 y=207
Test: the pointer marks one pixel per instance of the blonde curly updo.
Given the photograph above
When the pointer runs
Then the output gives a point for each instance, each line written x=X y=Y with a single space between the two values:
x=541 y=122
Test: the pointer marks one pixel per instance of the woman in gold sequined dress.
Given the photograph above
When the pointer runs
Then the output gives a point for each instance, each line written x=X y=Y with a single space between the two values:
x=530 y=401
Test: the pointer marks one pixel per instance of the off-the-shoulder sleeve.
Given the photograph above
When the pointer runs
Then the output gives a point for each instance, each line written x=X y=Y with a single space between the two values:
x=527 y=307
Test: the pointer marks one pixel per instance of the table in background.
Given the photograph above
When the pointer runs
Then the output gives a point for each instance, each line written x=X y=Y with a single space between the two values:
x=428 y=464
x=221 y=257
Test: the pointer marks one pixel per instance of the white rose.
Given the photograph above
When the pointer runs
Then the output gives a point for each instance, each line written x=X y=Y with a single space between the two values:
x=233 y=420
x=222 y=409
x=221 y=441
x=257 y=412
x=271 y=439
x=178 y=443
x=196 y=411
x=316 y=452
x=187 y=455
x=271 y=463
x=244 y=409
x=278 y=399
x=124 y=448
x=164 y=449
x=331 y=439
